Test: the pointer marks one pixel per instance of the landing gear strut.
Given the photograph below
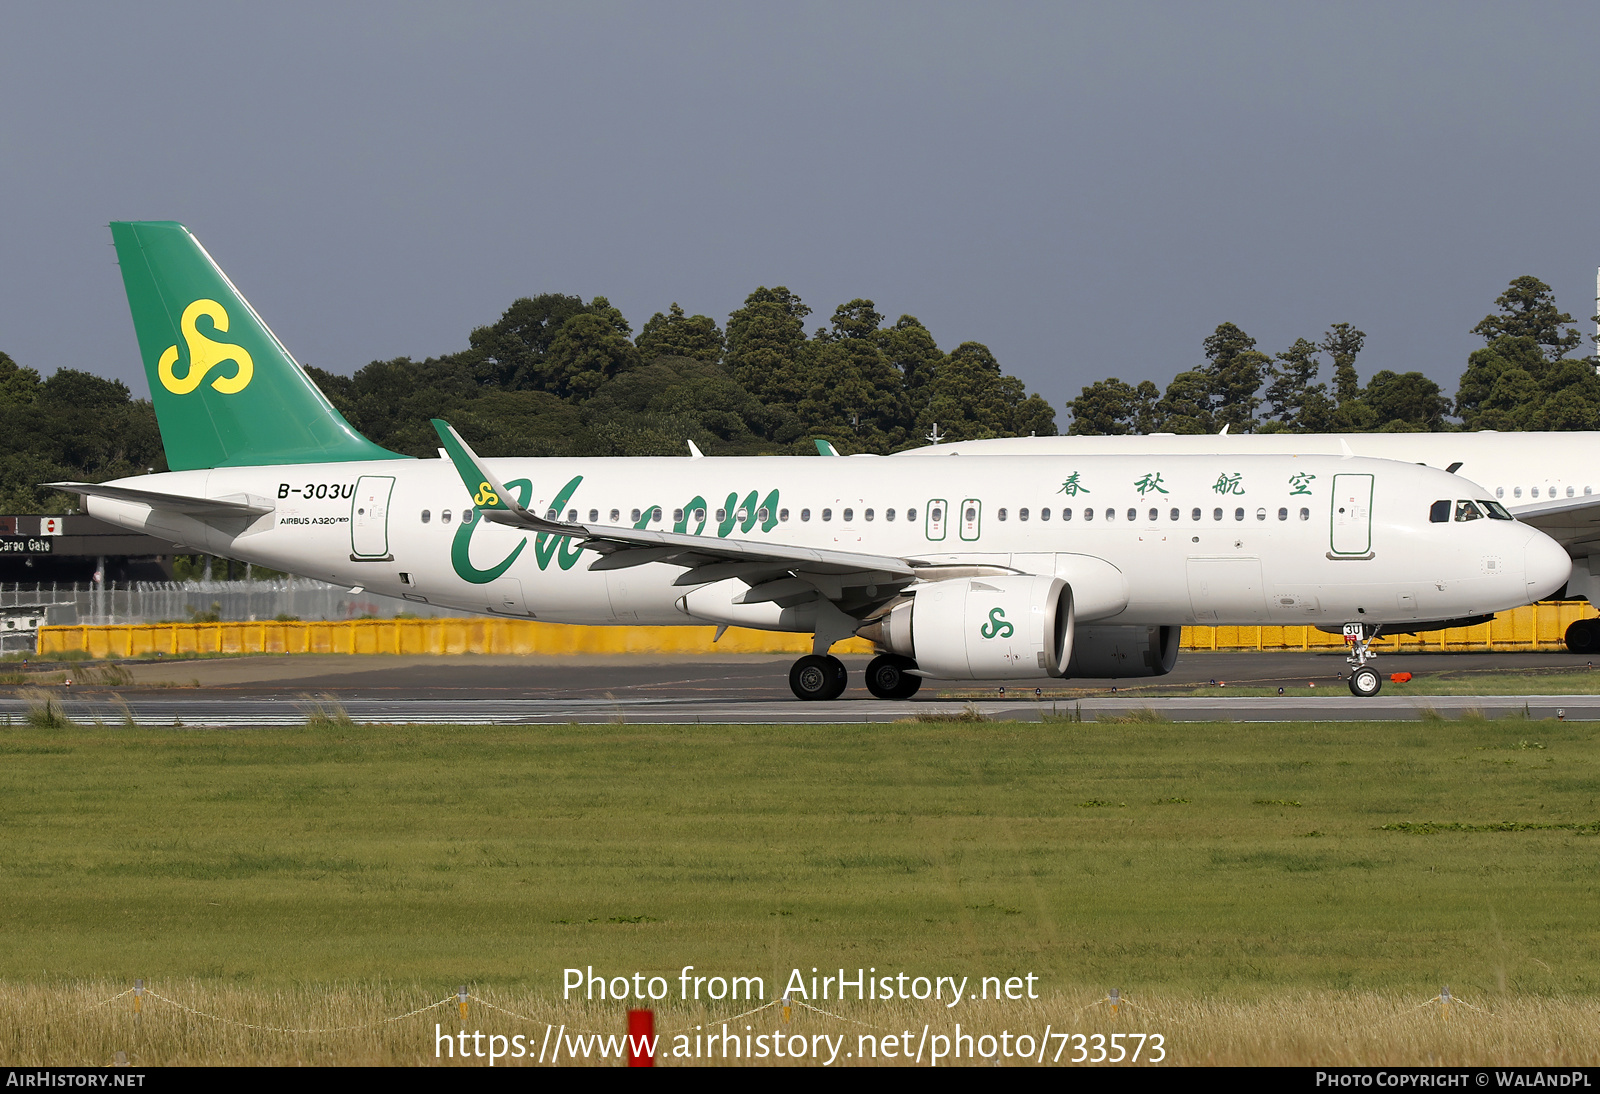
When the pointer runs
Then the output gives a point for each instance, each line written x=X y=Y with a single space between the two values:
x=890 y=677
x=818 y=676
x=1364 y=679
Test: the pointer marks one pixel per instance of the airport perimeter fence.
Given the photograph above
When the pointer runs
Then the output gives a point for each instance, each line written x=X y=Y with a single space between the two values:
x=186 y=601
x=1531 y=628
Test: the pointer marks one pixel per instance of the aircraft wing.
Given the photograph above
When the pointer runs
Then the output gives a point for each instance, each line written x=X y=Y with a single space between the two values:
x=233 y=506
x=780 y=573
x=1572 y=522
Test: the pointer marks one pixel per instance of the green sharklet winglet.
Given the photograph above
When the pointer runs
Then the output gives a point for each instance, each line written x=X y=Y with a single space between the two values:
x=226 y=391
x=824 y=448
x=487 y=492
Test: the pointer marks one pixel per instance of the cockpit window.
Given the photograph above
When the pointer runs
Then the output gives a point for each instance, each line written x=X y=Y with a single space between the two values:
x=1495 y=510
x=1466 y=510
x=1439 y=512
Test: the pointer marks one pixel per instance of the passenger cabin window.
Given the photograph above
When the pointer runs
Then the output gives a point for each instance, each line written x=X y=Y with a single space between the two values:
x=1216 y=514
x=1283 y=514
x=1238 y=514
x=1261 y=514
x=426 y=516
x=1195 y=515
x=761 y=515
x=849 y=515
x=1066 y=514
x=868 y=514
x=888 y=514
x=805 y=514
x=635 y=517
x=700 y=515
x=1516 y=492
x=1466 y=511
x=1088 y=514
x=444 y=517
x=1001 y=514
x=677 y=516
x=594 y=516
x=1175 y=514
x=1155 y=515
x=655 y=514
x=1439 y=512
x=1022 y=514
x=1305 y=514
x=1044 y=514
x=1133 y=514
x=827 y=514
x=616 y=515
x=1111 y=514
x=572 y=516
x=783 y=516
x=1499 y=491
x=911 y=514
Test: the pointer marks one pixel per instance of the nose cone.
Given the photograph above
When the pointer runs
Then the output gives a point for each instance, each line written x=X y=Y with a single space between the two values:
x=1545 y=566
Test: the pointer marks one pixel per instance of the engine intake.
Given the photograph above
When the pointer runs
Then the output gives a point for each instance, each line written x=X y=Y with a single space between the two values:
x=982 y=628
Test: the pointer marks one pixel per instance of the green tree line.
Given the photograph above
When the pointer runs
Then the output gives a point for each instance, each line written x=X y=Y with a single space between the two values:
x=1524 y=378
x=558 y=376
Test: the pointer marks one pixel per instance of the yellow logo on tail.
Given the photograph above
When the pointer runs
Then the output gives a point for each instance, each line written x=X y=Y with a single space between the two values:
x=205 y=354
x=485 y=495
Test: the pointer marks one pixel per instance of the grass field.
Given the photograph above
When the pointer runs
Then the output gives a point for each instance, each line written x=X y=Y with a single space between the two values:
x=1208 y=866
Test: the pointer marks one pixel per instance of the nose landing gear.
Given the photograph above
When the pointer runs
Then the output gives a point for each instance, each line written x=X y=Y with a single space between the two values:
x=818 y=676
x=1364 y=680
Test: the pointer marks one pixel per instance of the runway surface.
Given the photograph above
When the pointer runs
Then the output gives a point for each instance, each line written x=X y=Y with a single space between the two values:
x=263 y=691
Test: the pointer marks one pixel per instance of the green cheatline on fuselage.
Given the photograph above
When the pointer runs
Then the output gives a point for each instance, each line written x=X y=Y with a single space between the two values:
x=226 y=391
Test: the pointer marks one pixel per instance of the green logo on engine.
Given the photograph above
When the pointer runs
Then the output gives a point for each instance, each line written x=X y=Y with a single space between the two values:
x=998 y=626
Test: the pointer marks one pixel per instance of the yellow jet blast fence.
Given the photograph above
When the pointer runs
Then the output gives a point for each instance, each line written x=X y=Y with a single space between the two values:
x=415 y=636
x=1535 y=627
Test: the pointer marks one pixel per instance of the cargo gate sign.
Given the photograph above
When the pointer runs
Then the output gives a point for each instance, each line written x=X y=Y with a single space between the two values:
x=26 y=545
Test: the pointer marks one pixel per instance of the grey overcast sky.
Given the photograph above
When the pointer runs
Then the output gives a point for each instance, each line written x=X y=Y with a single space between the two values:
x=1088 y=189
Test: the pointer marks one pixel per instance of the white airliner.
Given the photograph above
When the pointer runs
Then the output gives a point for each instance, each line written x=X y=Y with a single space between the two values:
x=996 y=567
x=1548 y=480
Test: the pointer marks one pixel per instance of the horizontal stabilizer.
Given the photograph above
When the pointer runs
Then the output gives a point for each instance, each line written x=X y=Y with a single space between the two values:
x=235 y=506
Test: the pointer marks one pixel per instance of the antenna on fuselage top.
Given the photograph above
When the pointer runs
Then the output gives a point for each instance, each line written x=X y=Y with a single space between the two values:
x=934 y=436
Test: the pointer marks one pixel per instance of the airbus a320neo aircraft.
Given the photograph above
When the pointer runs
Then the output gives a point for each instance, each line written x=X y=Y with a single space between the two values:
x=977 y=568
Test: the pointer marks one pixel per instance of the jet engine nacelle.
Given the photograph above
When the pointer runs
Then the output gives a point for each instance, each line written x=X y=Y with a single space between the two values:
x=1121 y=652
x=982 y=628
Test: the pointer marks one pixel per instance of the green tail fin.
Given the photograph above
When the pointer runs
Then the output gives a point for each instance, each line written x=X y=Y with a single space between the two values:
x=226 y=391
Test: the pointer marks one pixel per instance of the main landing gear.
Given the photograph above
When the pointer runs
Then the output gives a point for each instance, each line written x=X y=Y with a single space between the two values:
x=1584 y=636
x=819 y=676
x=1364 y=679
x=889 y=676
